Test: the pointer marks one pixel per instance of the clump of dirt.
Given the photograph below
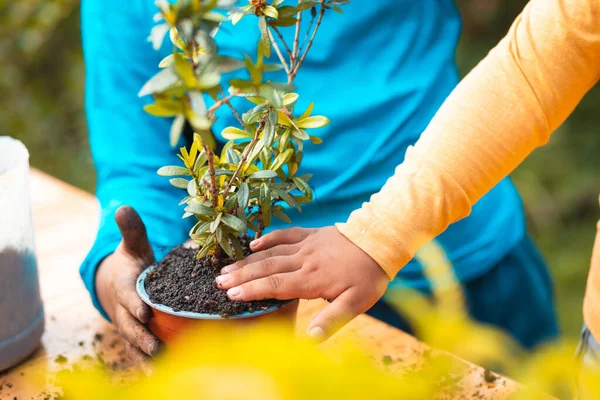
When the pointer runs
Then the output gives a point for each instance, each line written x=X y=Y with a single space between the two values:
x=185 y=283
x=489 y=376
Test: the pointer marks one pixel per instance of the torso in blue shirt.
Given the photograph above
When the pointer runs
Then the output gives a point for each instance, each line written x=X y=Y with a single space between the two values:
x=379 y=72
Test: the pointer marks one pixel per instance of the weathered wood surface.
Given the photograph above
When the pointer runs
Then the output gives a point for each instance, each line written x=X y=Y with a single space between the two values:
x=65 y=220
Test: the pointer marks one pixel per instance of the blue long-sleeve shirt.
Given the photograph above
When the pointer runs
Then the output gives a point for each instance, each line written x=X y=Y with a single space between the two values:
x=379 y=72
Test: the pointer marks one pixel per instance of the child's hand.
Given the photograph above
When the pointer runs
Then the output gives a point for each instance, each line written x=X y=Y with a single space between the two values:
x=115 y=285
x=309 y=264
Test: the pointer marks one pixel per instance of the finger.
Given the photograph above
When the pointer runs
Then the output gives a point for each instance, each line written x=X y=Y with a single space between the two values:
x=284 y=236
x=257 y=270
x=138 y=358
x=283 y=250
x=136 y=333
x=128 y=298
x=289 y=285
x=135 y=239
x=335 y=315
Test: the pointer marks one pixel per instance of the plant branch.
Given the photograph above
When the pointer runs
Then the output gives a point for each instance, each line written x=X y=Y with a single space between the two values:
x=232 y=108
x=279 y=54
x=296 y=39
x=287 y=48
x=244 y=157
x=214 y=191
x=310 y=42
x=218 y=104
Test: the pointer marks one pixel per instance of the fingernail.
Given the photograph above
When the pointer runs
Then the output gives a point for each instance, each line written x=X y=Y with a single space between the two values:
x=228 y=269
x=142 y=315
x=234 y=292
x=254 y=243
x=223 y=279
x=317 y=333
x=155 y=349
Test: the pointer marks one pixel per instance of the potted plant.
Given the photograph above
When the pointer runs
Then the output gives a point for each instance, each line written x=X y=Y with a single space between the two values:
x=257 y=171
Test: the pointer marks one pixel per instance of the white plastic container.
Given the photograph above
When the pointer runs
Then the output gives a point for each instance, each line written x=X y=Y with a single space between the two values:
x=21 y=311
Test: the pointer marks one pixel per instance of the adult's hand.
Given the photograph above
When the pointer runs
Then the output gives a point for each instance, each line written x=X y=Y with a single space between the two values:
x=309 y=263
x=115 y=286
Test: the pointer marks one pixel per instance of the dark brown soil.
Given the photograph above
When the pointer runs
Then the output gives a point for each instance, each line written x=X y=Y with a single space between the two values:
x=184 y=283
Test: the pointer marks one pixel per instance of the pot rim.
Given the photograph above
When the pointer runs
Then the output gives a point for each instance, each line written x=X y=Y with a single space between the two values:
x=141 y=291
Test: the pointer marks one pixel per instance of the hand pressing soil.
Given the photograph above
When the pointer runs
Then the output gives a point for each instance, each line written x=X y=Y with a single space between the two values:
x=184 y=283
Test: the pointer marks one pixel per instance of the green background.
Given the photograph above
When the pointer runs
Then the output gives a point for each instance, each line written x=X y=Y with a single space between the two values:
x=41 y=103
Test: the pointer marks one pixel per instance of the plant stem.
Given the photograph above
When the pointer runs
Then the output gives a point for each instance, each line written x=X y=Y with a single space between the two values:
x=232 y=108
x=279 y=54
x=218 y=104
x=214 y=191
x=244 y=157
x=287 y=48
x=310 y=42
x=261 y=224
x=296 y=38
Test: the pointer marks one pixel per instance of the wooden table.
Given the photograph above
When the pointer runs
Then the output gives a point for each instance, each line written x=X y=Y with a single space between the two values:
x=65 y=220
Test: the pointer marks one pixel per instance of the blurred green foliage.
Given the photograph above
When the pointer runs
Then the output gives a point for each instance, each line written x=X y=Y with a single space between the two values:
x=41 y=81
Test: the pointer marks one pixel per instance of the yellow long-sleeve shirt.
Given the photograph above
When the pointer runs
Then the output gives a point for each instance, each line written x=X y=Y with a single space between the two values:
x=506 y=107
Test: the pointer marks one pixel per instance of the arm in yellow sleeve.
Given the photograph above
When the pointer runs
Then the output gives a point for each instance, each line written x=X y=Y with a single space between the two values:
x=505 y=108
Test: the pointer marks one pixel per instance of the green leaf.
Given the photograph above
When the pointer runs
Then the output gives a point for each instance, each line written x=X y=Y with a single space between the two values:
x=172 y=170
x=312 y=122
x=303 y=186
x=185 y=71
x=157 y=35
x=232 y=156
x=179 y=183
x=290 y=98
x=282 y=216
x=266 y=174
x=308 y=111
x=281 y=159
x=271 y=11
x=215 y=224
x=166 y=62
x=288 y=198
x=231 y=201
x=234 y=222
x=265 y=203
x=264 y=34
x=176 y=130
x=338 y=10
x=200 y=227
x=270 y=93
x=200 y=162
x=285 y=22
x=221 y=171
x=224 y=243
x=191 y=188
x=307 y=4
x=287 y=11
x=159 y=82
x=163 y=109
x=228 y=64
x=300 y=134
x=284 y=119
x=237 y=247
x=231 y=133
x=269 y=134
x=243 y=195
x=316 y=140
x=204 y=250
x=200 y=209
